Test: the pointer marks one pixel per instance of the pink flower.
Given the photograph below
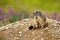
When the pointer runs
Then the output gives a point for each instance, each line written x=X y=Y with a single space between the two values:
x=1 y=17
x=46 y=15
x=11 y=10
x=0 y=10
x=54 y=15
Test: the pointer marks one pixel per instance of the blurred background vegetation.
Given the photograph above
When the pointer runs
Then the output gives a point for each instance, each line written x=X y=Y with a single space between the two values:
x=31 y=5
x=14 y=10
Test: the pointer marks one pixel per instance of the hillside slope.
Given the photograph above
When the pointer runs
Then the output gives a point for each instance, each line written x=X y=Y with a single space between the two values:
x=19 y=31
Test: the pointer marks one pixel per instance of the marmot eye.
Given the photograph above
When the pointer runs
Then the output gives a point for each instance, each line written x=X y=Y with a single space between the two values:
x=37 y=12
x=31 y=27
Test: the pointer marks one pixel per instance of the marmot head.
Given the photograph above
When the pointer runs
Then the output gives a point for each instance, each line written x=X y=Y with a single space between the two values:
x=38 y=13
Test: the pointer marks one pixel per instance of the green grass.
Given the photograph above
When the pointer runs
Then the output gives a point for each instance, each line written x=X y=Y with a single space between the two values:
x=31 y=5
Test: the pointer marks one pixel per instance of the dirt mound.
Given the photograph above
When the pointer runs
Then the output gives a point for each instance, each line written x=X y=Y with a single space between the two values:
x=20 y=31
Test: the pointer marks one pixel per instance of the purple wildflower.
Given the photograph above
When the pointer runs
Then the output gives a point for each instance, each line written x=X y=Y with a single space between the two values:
x=58 y=17
x=5 y=13
x=28 y=15
x=11 y=10
x=54 y=15
x=22 y=17
x=1 y=17
x=46 y=15
x=0 y=10
x=15 y=14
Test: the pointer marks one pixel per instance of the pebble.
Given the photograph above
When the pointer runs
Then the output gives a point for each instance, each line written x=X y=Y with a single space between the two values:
x=33 y=33
x=27 y=29
x=26 y=38
x=41 y=32
x=11 y=38
x=33 y=39
x=47 y=38
x=20 y=35
x=29 y=24
x=57 y=35
x=6 y=27
x=38 y=35
x=54 y=24
x=7 y=32
x=26 y=19
x=25 y=22
x=55 y=27
x=20 y=32
x=1 y=28
x=46 y=28
x=42 y=38
x=15 y=37
x=59 y=39
x=17 y=29
x=53 y=35
x=22 y=24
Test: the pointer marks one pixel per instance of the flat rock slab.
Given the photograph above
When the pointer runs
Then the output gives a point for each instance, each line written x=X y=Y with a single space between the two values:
x=19 y=31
